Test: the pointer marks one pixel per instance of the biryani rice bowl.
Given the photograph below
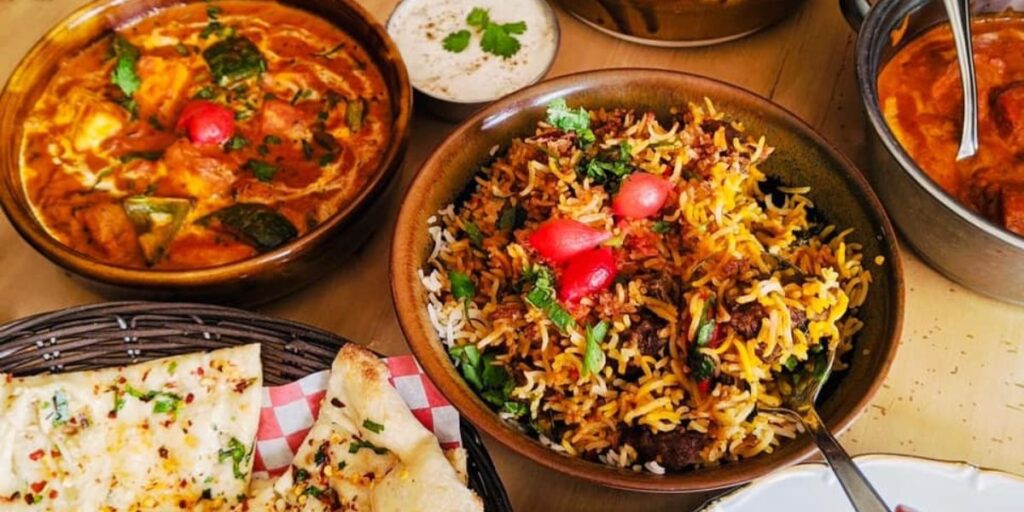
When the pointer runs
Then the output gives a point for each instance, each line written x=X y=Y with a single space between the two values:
x=734 y=281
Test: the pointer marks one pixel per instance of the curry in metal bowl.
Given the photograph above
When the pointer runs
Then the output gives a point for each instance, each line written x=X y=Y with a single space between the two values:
x=204 y=134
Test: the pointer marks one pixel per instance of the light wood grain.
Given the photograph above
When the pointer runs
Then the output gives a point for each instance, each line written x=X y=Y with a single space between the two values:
x=956 y=390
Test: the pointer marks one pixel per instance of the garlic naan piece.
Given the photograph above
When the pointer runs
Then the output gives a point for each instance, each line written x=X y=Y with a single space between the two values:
x=168 y=434
x=367 y=452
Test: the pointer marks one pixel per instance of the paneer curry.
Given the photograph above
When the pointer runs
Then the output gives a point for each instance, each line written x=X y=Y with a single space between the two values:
x=204 y=134
x=922 y=102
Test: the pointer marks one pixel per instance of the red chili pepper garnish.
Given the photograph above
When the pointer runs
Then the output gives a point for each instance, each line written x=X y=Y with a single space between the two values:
x=38 y=487
x=704 y=386
x=716 y=336
x=206 y=122
x=587 y=273
x=641 y=195
x=36 y=455
x=53 y=494
x=557 y=240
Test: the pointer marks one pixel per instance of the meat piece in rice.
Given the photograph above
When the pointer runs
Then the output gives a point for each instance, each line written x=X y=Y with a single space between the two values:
x=674 y=450
x=645 y=335
x=746 y=319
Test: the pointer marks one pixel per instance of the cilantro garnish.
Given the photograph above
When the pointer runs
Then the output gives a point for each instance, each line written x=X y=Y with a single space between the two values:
x=262 y=170
x=570 y=120
x=496 y=38
x=457 y=42
x=542 y=297
x=124 y=75
x=593 y=357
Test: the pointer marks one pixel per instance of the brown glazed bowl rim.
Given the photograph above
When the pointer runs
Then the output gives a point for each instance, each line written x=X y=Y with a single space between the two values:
x=406 y=290
x=870 y=35
x=31 y=229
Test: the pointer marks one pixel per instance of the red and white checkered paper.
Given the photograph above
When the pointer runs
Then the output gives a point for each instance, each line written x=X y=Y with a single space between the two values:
x=288 y=413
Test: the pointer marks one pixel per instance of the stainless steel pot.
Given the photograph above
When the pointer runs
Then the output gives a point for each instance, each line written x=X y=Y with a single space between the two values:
x=958 y=242
x=678 y=23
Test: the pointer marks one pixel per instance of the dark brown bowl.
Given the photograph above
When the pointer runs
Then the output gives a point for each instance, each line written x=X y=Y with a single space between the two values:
x=254 y=280
x=678 y=23
x=802 y=157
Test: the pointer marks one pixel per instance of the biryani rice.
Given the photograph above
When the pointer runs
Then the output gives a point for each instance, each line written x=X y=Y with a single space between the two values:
x=729 y=243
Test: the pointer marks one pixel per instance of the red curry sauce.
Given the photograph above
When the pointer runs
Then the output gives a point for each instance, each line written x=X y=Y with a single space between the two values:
x=204 y=134
x=922 y=102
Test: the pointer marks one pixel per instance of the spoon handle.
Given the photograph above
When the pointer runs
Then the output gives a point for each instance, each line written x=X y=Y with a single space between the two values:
x=860 y=492
x=959 y=15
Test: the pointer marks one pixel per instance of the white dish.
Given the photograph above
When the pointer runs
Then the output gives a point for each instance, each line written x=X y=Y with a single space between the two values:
x=923 y=485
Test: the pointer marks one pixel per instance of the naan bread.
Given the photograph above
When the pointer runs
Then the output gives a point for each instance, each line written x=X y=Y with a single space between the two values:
x=169 y=434
x=367 y=452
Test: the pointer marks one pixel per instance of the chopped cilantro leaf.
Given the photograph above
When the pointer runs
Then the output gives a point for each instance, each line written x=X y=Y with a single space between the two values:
x=236 y=142
x=478 y=17
x=496 y=40
x=262 y=170
x=570 y=120
x=124 y=75
x=457 y=42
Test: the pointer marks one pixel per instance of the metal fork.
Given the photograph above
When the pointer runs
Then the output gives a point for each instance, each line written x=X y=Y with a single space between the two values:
x=798 y=403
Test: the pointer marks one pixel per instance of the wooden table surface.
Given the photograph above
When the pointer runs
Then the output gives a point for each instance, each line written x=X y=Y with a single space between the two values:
x=956 y=390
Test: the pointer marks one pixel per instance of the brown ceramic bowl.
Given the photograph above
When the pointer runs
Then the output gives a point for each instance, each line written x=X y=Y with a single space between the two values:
x=259 y=279
x=677 y=23
x=801 y=157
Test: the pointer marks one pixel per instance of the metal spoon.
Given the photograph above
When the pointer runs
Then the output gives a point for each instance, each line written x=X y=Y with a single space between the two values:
x=958 y=12
x=800 y=390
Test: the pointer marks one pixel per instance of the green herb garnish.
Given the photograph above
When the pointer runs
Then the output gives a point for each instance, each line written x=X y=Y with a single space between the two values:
x=456 y=42
x=593 y=357
x=473 y=232
x=496 y=38
x=511 y=217
x=359 y=444
x=542 y=297
x=238 y=455
x=570 y=120
x=235 y=143
x=373 y=426
x=661 y=227
x=263 y=171
x=706 y=324
x=233 y=59
x=124 y=75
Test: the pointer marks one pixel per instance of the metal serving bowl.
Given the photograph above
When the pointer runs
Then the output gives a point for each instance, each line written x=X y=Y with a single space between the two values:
x=801 y=157
x=254 y=280
x=680 y=22
x=958 y=242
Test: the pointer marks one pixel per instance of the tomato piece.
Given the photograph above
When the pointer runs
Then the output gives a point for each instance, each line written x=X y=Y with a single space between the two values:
x=206 y=122
x=704 y=386
x=557 y=240
x=587 y=273
x=641 y=195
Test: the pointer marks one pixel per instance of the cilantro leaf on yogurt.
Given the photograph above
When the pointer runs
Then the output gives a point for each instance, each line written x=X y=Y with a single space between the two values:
x=495 y=38
x=456 y=42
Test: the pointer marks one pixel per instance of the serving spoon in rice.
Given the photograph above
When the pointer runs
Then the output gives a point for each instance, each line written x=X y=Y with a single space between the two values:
x=799 y=391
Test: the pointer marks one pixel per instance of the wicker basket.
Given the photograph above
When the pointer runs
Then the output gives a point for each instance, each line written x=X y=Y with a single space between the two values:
x=121 y=333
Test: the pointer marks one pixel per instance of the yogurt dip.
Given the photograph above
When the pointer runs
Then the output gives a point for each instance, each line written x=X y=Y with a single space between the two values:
x=419 y=28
